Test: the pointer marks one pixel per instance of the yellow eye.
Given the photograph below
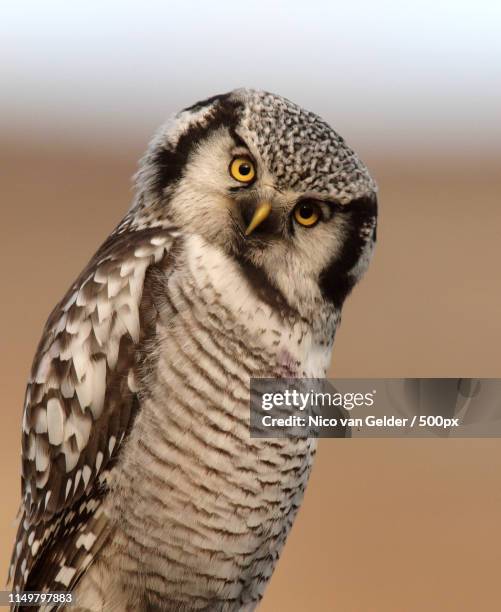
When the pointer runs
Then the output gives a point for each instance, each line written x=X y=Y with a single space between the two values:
x=307 y=213
x=242 y=169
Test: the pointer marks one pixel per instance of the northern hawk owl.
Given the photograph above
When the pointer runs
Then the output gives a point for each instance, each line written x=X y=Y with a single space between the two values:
x=142 y=488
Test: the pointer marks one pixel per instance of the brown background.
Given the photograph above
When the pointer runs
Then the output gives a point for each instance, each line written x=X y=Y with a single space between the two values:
x=387 y=525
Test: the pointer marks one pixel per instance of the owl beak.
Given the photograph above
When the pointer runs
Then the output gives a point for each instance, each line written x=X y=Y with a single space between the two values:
x=261 y=213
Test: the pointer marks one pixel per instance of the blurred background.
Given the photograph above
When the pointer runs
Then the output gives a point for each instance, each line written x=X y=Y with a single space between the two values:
x=415 y=88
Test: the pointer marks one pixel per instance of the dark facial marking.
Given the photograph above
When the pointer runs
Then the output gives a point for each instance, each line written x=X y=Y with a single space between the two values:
x=170 y=162
x=239 y=141
x=265 y=290
x=204 y=103
x=336 y=281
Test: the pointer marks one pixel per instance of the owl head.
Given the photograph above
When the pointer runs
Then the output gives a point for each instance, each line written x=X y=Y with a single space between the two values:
x=271 y=185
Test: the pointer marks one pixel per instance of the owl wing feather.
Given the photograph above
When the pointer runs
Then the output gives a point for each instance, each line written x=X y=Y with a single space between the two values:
x=80 y=402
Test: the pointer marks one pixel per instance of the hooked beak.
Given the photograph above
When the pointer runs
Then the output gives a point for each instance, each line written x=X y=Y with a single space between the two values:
x=261 y=213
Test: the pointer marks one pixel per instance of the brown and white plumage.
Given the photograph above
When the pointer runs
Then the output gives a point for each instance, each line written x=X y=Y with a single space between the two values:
x=142 y=488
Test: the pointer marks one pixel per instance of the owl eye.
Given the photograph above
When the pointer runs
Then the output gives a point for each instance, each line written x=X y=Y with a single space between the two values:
x=307 y=213
x=242 y=170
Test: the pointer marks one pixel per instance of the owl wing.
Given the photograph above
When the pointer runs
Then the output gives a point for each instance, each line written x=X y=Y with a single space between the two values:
x=80 y=403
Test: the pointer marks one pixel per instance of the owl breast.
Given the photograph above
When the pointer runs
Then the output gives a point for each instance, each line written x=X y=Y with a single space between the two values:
x=202 y=509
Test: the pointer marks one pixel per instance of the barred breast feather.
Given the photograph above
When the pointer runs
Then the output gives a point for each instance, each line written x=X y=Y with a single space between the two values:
x=182 y=510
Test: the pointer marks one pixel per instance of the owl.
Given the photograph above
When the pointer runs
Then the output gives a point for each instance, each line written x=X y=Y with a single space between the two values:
x=142 y=488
